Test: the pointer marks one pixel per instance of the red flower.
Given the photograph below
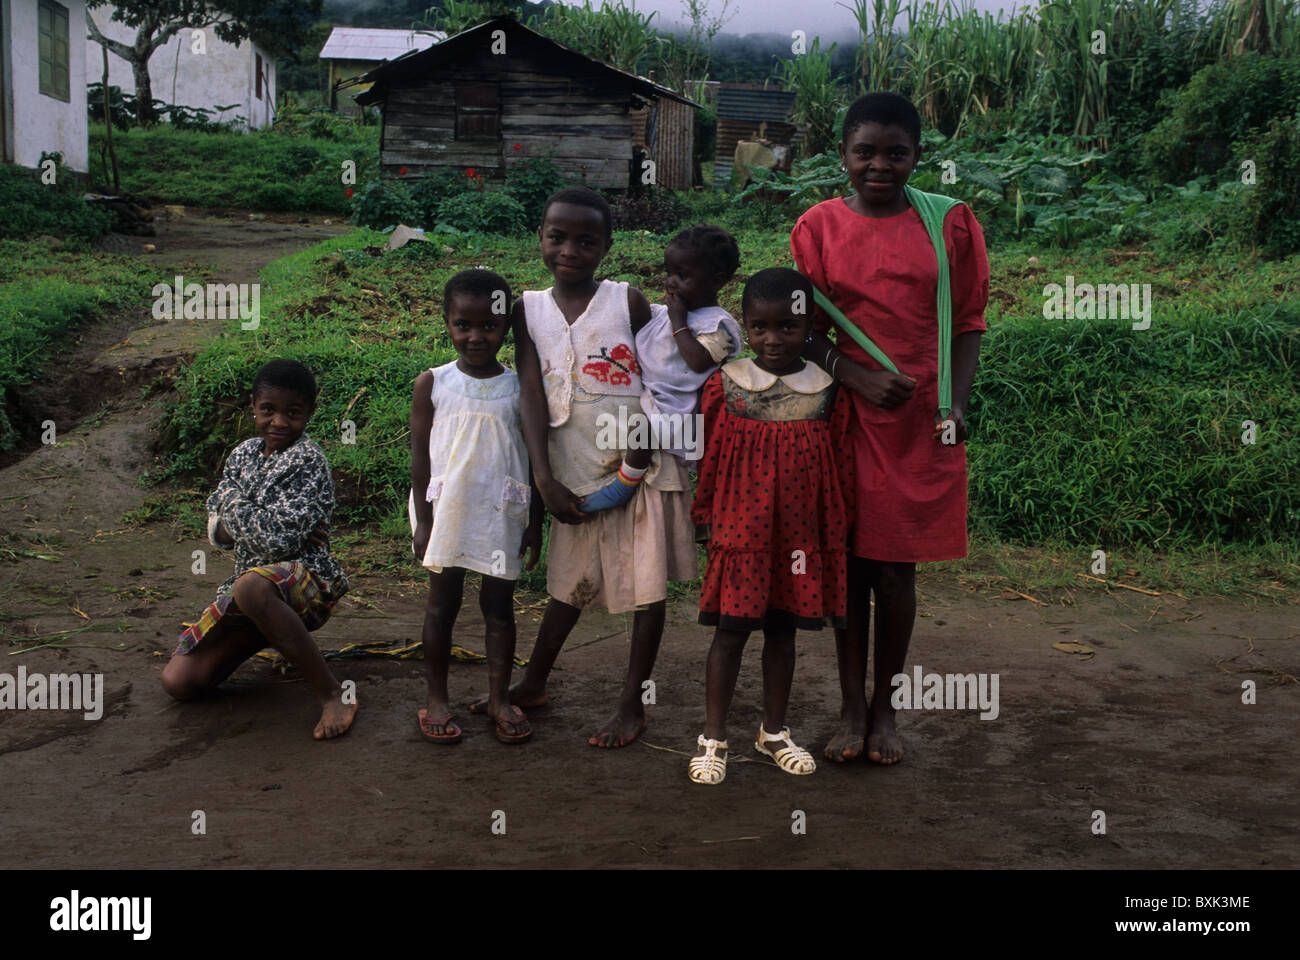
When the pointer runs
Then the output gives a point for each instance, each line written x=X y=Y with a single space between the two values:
x=519 y=146
x=402 y=171
x=347 y=192
x=469 y=172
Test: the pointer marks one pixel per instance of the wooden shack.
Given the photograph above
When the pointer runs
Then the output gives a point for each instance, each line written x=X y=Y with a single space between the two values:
x=500 y=92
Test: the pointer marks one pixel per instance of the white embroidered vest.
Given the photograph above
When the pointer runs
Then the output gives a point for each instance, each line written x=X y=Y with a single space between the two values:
x=596 y=353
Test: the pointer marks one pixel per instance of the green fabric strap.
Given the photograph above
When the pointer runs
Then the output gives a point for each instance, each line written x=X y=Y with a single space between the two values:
x=932 y=208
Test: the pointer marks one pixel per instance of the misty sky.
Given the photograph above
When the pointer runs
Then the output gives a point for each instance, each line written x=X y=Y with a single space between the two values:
x=823 y=17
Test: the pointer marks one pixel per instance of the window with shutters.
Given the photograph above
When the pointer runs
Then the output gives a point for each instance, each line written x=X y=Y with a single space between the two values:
x=257 y=84
x=477 y=110
x=52 y=32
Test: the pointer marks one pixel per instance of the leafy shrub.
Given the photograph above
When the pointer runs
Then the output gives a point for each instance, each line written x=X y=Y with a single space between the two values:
x=531 y=181
x=436 y=187
x=31 y=207
x=483 y=211
x=124 y=110
x=1269 y=215
x=321 y=123
x=1222 y=103
x=384 y=203
x=656 y=210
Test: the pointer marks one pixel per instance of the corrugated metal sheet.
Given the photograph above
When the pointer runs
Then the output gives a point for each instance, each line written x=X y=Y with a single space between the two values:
x=745 y=110
x=375 y=44
x=673 y=144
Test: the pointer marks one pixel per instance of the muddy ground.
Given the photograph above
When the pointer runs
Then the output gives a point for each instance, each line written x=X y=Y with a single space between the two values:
x=1149 y=728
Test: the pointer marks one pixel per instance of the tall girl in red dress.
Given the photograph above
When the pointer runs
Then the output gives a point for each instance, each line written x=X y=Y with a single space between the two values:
x=872 y=257
x=771 y=508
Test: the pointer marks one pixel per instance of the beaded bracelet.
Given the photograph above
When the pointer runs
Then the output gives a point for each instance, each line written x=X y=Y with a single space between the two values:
x=681 y=330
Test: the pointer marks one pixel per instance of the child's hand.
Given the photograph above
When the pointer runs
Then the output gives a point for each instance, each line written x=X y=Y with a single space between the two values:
x=879 y=387
x=958 y=417
x=532 y=541
x=676 y=309
x=564 y=505
x=420 y=539
x=222 y=535
x=321 y=535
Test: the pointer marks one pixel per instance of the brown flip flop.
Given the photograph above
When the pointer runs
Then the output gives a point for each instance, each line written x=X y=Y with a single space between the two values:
x=448 y=737
x=508 y=732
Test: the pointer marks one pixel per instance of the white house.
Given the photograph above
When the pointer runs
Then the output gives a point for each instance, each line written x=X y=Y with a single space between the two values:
x=42 y=85
x=192 y=71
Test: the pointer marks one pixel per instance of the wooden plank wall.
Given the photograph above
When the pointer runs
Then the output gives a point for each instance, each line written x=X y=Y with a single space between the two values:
x=585 y=129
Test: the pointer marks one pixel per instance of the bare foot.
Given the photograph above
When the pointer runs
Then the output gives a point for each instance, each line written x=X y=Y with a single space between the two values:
x=520 y=696
x=883 y=745
x=335 y=718
x=847 y=742
x=622 y=729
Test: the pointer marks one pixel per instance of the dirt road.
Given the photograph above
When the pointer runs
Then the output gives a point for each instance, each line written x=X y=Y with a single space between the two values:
x=1149 y=729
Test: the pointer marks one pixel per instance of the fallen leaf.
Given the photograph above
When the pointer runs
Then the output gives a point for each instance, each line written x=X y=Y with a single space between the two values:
x=1071 y=646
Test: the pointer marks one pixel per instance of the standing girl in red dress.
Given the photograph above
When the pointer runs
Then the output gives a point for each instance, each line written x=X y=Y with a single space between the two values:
x=874 y=257
x=770 y=506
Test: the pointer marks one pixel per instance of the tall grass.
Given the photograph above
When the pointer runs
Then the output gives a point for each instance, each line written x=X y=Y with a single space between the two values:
x=1070 y=63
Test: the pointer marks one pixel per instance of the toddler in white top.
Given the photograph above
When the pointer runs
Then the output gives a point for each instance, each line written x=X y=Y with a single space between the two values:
x=688 y=337
x=470 y=503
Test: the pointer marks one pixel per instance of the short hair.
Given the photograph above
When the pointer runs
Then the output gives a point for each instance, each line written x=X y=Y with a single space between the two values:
x=286 y=374
x=583 y=197
x=776 y=285
x=712 y=245
x=475 y=283
x=884 y=108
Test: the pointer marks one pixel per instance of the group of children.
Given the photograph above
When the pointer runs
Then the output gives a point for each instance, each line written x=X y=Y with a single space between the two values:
x=809 y=499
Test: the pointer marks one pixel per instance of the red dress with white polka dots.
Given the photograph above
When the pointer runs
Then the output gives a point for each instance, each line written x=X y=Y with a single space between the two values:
x=772 y=493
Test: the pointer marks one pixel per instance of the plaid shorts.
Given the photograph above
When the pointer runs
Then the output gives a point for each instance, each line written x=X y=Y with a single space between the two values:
x=297 y=586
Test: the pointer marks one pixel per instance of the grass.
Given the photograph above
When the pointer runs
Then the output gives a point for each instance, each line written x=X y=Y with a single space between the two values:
x=265 y=170
x=46 y=292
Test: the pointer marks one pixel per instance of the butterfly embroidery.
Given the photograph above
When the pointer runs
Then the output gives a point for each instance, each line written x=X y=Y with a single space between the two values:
x=614 y=367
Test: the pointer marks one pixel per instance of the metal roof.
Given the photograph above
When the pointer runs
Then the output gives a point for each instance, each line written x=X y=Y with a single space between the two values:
x=374 y=43
x=410 y=63
x=749 y=104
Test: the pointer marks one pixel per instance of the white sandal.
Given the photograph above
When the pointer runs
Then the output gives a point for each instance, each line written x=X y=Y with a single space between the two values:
x=710 y=768
x=790 y=758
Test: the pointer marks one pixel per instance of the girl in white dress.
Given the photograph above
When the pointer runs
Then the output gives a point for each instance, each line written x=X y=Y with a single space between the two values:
x=470 y=498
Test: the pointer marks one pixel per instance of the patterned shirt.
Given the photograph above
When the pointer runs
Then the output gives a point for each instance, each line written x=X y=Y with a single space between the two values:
x=271 y=504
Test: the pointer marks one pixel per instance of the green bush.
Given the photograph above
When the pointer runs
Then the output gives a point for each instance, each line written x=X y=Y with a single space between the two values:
x=531 y=181
x=385 y=203
x=1223 y=103
x=32 y=208
x=483 y=211
x=441 y=184
x=1268 y=216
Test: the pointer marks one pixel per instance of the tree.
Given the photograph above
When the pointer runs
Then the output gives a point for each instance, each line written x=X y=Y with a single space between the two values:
x=282 y=22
